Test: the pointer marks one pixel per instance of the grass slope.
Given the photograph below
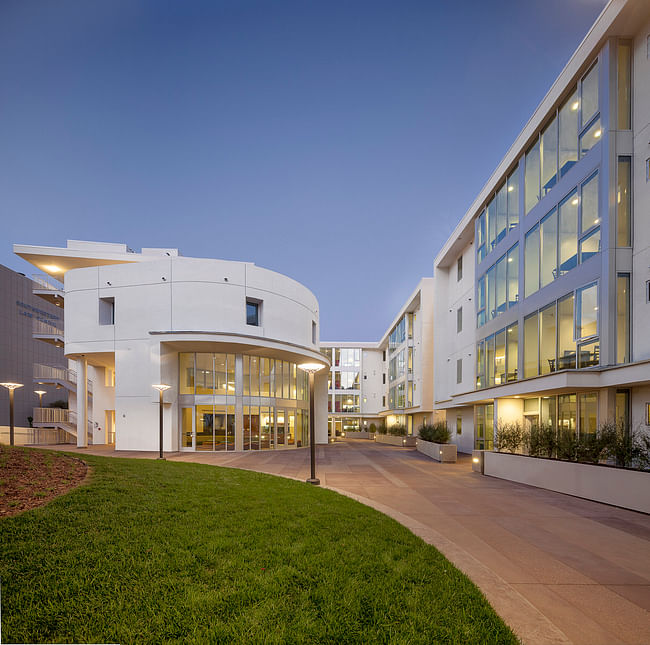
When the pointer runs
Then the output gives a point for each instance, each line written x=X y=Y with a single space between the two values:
x=156 y=552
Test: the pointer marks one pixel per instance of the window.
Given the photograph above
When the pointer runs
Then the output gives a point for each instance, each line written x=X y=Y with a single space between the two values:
x=500 y=357
x=383 y=377
x=498 y=288
x=513 y=199
x=313 y=332
x=587 y=312
x=548 y=252
x=531 y=346
x=589 y=95
x=459 y=320
x=480 y=301
x=566 y=347
x=383 y=401
x=459 y=425
x=568 y=234
x=253 y=312
x=459 y=269
x=624 y=86
x=459 y=370
x=623 y=318
x=647 y=414
x=480 y=365
x=512 y=352
x=531 y=261
x=480 y=237
x=547 y=327
x=548 y=154
x=568 y=130
x=590 y=137
x=513 y=276
x=107 y=311
x=532 y=177
x=624 y=202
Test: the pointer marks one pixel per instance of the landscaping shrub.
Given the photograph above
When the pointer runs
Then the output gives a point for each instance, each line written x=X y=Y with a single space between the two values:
x=372 y=428
x=397 y=430
x=382 y=429
x=510 y=437
x=436 y=433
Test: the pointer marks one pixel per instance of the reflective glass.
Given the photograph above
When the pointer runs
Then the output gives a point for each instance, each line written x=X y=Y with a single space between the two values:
x=186 y=373
x=568 y=210
x=531 y=187
x=624 y=89
x=502 y=212
x=220 y=374
x=589 y=95
x=204 y=374
x=587 y=312
x=500 y=357
x=548 y=251
x=588 y=404
x=531 y=262
x=567 y=412
x=500 y=277
x=590 y=245
x=624 y=202
x=491 y=293
x=590 y=137
x=531 y=344
x=491 y=224
x=623 y=318
x=480 y=299
x=480 y=365
x=489 y=354
x=568 y=120
x=513 y=199
x=547 y=331
x=549 y=157
x=513 y=276
x=512 y=352
x=566 y=349
x=590 y=216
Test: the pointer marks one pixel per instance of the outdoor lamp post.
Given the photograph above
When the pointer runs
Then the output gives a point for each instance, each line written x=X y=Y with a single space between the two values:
x=11 y=387
x=40 y=397
x=161 y=387
x=311 y=369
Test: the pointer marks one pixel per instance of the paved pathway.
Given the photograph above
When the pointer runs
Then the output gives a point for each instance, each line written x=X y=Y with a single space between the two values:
x=557 y=569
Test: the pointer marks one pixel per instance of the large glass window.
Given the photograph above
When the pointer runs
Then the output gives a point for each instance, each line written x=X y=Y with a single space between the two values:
x=547 y=332
x=568 y=119
x=500 y=276
x=480 y=301
x=567 y=412
x=489 y=356
x=513 y=199
x=590 y=245
x=624 y=86
x=590 y=216
x=480 y=237
x=396 y=337
x=532 y=177
x=623 y=318
x=587 y=312
x=566 y=346
x=512 y=352
x=590 y=137
x=513 y=276
x=500 y=357
x=186 y=373
x=531 y=345
x=480 y=365
x=589 y=92
x=548 y=253
x=491 y=214
x=502 y=213
x=531 y=261
x=624 y=202
x=568 y=233
x=588 y=406
x=491 y=293
x=549 y=157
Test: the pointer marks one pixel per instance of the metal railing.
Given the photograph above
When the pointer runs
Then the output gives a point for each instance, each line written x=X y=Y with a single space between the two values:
x=55 y=415
x=54 y=373
x=45 y=329
x=46 y=282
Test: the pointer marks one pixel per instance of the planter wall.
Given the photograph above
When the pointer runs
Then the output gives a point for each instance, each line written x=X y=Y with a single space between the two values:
x=443 y=452
x=616 y=486
x=407 y=442
x=362 y=434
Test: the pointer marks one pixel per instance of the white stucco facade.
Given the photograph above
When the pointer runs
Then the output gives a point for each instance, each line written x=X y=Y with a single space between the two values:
x=139 y=315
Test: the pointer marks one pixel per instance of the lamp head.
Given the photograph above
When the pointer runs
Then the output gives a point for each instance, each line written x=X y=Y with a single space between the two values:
x=161 y=387
x=311 y=368
x=12 y=386
x=40 y=392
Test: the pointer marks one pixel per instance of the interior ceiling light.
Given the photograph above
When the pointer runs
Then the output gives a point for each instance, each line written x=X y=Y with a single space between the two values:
x=597 y=134
x=575 y=105
x=52 y=268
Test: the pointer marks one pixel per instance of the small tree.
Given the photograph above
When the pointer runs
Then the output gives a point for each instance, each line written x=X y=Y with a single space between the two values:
x=397 y=430
x=372 y=428
x=437 y=432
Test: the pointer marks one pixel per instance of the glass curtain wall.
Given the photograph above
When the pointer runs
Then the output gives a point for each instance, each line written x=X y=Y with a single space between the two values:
x=274 y=398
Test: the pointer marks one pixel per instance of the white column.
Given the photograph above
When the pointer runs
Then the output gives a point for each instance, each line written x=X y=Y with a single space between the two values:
x=82 y=403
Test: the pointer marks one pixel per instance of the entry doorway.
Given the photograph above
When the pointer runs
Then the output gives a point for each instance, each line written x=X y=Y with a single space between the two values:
x=109 y=425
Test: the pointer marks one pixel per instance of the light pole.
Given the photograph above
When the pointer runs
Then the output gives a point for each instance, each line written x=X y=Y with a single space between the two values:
x=161 y=387
x=11 y=387
x=311 y=369
x=40 y=397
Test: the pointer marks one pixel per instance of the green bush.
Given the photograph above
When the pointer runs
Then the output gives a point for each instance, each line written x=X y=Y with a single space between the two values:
x=59 y=404
x=372 y=429
x=437 y=432
x=398 y=430
x=382 y=429
x=541 y=441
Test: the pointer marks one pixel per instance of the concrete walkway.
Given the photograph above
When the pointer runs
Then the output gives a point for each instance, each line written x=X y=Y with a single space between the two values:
x=556 y=568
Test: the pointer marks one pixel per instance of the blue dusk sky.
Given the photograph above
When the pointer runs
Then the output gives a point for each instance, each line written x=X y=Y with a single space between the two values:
x=337 y=142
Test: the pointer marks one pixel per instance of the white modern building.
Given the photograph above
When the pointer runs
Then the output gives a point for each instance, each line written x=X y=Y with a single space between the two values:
x=389 y=382
x=545 y=282
x=227 y=337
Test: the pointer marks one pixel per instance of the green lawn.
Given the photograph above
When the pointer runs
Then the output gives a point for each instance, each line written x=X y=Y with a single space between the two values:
x=155 y=552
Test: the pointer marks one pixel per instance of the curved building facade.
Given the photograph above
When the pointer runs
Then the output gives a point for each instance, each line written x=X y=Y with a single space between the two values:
x=227 y=337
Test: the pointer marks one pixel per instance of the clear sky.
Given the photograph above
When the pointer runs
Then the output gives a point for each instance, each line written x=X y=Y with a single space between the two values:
x=335 y=141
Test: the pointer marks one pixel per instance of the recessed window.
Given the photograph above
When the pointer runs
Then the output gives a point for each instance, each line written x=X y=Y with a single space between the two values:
x=647 y=414
x=459 y=425
x=313 y=332
x=107 y=311
x=253 y=308
x=459 y=370
x=459 y=269
x=459 y=320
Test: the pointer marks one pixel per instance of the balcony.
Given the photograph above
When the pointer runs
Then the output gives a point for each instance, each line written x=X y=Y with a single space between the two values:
x=58 y=419
x=48 y=333
x=58 y=376
x=48 y=289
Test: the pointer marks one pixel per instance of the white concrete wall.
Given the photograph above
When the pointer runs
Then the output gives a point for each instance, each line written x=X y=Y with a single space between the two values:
x=464 y=441
x=371 y=381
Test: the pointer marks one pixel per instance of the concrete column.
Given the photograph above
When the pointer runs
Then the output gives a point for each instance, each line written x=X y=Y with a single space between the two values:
x=320 y=406
x=82 y=403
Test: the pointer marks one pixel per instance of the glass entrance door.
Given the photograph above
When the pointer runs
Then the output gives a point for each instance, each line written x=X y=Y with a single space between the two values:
x=214 y=428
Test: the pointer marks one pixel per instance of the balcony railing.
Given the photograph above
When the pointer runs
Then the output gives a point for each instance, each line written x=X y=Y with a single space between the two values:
x=44 y=329
x=50 y=372
x=46 y=282
x=55 y=415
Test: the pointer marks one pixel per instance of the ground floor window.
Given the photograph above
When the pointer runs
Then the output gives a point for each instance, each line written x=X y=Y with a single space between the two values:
x=484 y=427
